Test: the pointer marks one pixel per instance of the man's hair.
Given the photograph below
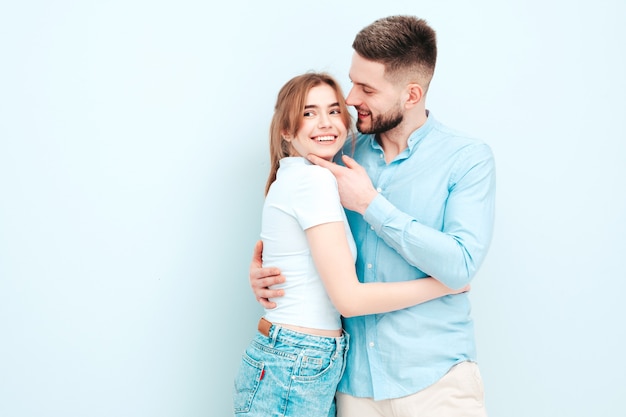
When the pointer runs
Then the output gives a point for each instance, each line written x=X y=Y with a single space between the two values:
x=405 y=45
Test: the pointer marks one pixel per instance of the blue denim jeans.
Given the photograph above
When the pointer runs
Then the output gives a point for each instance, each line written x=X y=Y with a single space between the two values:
x=289 y=374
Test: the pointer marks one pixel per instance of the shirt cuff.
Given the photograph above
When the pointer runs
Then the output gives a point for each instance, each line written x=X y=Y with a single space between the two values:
x=379 y=210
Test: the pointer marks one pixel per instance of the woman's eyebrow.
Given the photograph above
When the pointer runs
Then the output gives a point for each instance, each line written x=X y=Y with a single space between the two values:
x=313 y=106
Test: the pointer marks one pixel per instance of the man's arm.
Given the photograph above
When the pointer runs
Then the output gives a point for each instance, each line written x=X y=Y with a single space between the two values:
x=452 y=255
x=262 y=278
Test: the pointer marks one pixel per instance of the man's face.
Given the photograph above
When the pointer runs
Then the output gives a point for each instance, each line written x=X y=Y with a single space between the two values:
x=376 y=100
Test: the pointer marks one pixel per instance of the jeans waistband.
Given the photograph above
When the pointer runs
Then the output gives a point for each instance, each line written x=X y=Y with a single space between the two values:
x=276 y=332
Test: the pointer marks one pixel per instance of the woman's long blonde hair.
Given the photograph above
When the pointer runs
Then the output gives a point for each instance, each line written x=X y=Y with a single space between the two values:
x=289 y=113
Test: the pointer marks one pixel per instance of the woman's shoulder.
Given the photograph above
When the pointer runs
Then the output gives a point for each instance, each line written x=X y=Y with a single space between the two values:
x=320 y=176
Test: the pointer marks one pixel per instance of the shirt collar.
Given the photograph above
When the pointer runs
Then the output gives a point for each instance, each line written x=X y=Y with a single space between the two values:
x=293 y=161
x=414 y=139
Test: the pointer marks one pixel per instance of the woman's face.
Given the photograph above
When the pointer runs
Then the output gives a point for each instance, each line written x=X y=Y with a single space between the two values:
x=322 y=132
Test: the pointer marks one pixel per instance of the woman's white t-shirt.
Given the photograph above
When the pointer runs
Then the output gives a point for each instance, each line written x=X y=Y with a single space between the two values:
x=304 y=195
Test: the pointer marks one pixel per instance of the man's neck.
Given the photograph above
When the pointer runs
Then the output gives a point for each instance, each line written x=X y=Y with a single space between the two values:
x=396 y=140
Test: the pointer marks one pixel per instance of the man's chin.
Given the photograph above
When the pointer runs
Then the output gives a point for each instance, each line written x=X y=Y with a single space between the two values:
x=363 y=128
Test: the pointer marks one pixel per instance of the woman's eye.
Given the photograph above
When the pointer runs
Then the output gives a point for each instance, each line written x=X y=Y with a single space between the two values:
x=308 y=113
x=335 y=111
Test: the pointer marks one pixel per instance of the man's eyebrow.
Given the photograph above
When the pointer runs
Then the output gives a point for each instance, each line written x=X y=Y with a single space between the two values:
x=365 y=85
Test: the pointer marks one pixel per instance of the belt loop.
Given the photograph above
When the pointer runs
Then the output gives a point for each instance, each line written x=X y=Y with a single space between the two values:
x=274 y=334
x=265 y=328
x=337 y=347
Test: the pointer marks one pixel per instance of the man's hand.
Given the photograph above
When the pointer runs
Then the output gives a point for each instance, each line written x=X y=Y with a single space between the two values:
x=355 y=187
x=261 y=278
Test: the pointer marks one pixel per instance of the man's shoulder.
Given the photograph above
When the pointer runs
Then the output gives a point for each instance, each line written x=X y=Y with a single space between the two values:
x=439 y=129
x=462 y=149
x=456 y=139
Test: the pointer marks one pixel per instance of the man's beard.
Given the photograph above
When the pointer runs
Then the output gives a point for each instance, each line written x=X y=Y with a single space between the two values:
x=381 y=124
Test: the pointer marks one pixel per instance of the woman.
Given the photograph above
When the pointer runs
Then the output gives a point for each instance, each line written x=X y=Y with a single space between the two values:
x=293 y=365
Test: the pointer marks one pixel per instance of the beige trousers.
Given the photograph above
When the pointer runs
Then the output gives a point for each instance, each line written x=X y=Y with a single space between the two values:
x=458 y=394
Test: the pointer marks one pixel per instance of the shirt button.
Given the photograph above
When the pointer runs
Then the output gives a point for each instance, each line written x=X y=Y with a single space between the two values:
x=381 y=156
x=371 y=344
x=371 y=227
x=379 y=189
x=369 y=266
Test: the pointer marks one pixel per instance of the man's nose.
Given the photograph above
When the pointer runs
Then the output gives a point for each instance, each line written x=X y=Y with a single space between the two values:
x=351 y=98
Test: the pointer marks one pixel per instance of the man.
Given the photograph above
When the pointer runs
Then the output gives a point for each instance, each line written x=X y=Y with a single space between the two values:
x=420 y=202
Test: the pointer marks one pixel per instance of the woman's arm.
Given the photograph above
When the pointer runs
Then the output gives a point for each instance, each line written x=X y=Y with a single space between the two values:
x=333 y=260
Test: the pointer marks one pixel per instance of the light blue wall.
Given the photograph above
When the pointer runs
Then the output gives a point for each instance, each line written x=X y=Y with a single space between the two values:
x=133 y=158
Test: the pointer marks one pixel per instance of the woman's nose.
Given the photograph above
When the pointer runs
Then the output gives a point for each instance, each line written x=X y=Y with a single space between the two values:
x=324 y=121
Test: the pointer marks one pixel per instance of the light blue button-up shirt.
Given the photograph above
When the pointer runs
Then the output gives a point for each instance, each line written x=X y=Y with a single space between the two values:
x=433 y=216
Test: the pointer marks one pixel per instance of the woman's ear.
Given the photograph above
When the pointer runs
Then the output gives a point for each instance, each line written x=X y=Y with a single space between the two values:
x=286 y=136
